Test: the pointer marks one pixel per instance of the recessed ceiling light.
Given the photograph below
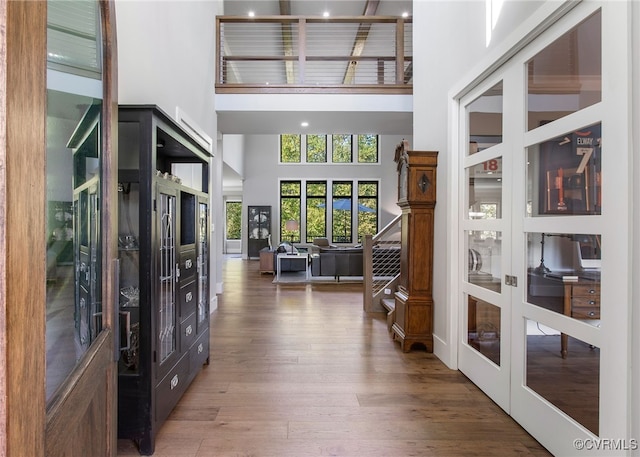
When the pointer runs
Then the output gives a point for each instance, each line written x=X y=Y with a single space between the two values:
x=252 y=14
x=405 y=14
x=326 y=14
x=305 y=124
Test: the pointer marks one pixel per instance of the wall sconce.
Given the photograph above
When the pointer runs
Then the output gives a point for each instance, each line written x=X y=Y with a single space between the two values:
x=291 y=226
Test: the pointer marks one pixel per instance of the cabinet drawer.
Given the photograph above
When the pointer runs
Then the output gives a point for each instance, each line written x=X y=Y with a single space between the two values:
x=585 y=312
x=171 y=388
x=188 y=265
x=585 y=302
x=188 y=299
x=199 y=353
x=586 y=290
x=187 y=332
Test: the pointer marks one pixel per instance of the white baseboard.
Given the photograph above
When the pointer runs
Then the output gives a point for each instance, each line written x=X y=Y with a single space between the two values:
x=213 y=304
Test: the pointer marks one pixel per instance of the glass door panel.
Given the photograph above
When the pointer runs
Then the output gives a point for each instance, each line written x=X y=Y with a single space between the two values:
x=484 y=116
x=483 y=333
x=566 y=76
x=571 y=384
x=167 y=275
x=203 y=264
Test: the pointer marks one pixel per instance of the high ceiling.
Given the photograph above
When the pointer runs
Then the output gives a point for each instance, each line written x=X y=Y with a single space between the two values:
x=274 y=121
x=316 y=7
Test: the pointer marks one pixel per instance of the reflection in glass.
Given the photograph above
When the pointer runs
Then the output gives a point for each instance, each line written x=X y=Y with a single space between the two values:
x=484 y=328
x=74 y=309
x=564 y=174
x=485 y=120
x=485 y=190
x=564 y=274
x=566 y=76
x=485 y=258
x=570 y=384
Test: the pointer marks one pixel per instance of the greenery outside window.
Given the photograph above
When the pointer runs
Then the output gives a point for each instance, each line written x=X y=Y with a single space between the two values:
x=290 y=209
x=234 y=220
x=342 y=193
x=342 y=149
x=316 y=148
x=368 y=148
x=290 y=149
x=367 y=209
x=316 y=210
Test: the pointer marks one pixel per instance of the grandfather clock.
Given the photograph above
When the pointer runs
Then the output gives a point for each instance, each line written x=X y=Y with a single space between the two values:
x=414 y=297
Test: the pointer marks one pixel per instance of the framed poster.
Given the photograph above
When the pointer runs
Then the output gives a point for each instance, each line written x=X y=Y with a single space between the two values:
x=570 y=179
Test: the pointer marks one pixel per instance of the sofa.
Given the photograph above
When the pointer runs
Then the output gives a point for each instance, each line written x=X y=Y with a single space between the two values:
x=337 y=262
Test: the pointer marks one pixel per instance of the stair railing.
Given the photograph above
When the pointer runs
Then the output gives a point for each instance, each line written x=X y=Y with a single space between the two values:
x=381 y=269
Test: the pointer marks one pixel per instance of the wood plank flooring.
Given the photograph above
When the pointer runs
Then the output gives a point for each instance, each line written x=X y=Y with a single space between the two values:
x=302 y=371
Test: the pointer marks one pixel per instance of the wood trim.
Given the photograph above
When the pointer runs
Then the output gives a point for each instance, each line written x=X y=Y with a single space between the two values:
x=110 y=210
x=3 y=219
x=22 y=262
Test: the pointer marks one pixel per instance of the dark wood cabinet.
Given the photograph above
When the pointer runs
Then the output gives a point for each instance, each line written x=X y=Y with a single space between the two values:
x=164 y=260
x=259 y=229
x=413 y=321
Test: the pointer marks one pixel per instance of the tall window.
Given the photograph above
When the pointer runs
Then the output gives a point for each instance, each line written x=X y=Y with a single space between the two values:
x=316 y=148
x=316 y=210
x=290 y=204
x=367 y=208
x=342 y=192
x=342 y=149
x=290 y=150
x=234 y=220
x=368 y=148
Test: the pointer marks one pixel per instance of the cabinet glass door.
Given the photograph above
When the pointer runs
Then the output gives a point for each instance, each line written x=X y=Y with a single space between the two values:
x=167 y=274
x=203 y=264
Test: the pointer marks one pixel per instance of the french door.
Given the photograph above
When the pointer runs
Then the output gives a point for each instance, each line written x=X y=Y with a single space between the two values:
x=543 y=240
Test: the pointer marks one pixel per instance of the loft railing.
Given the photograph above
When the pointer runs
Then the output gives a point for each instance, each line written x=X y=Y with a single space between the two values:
x=381 y=260
x=271 y=54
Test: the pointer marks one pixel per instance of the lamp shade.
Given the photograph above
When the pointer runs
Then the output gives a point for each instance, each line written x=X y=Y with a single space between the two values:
x=291 y=226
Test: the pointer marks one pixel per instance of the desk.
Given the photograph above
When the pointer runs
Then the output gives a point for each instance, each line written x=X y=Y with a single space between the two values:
x=299 y=255
x=581 y=301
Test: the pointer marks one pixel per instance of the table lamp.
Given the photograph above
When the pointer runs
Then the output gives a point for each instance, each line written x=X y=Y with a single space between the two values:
x=291 y=226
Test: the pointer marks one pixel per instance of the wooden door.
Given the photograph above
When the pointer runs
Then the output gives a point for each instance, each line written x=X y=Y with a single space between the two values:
x=84 y=405
x=78 y=418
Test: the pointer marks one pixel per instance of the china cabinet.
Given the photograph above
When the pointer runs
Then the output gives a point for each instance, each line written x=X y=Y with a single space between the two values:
x=164 y=283
x=259 y=225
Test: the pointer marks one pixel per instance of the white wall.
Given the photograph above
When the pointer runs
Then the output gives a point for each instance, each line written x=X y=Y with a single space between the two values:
x=461 y=25
x=262 y=174
x=166 y=57
x=233 y=152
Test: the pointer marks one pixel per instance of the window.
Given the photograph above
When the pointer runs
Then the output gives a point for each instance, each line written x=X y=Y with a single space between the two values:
x=290 y=148
x=234 y=220
x=316 y=210
x=316 y=148
x=367 y=209
x=342 y=192
x=342 y=149
x=367 y=148
x=290 y=203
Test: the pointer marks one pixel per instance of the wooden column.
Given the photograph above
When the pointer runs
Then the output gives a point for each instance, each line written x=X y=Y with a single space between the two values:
x=414 y=297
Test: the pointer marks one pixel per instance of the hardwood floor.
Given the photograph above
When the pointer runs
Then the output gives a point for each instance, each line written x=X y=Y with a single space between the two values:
x=302 y=371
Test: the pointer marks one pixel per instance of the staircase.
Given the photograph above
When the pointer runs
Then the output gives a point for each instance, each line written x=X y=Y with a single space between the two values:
x=381 y=257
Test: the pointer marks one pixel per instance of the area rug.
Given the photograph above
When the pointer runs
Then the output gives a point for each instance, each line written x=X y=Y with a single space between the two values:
x=300 y=277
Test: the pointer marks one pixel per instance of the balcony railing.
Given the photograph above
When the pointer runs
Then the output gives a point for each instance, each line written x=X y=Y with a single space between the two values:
x=281 y=54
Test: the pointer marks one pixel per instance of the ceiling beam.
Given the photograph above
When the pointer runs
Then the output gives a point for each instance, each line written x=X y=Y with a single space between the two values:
x=370 y=9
